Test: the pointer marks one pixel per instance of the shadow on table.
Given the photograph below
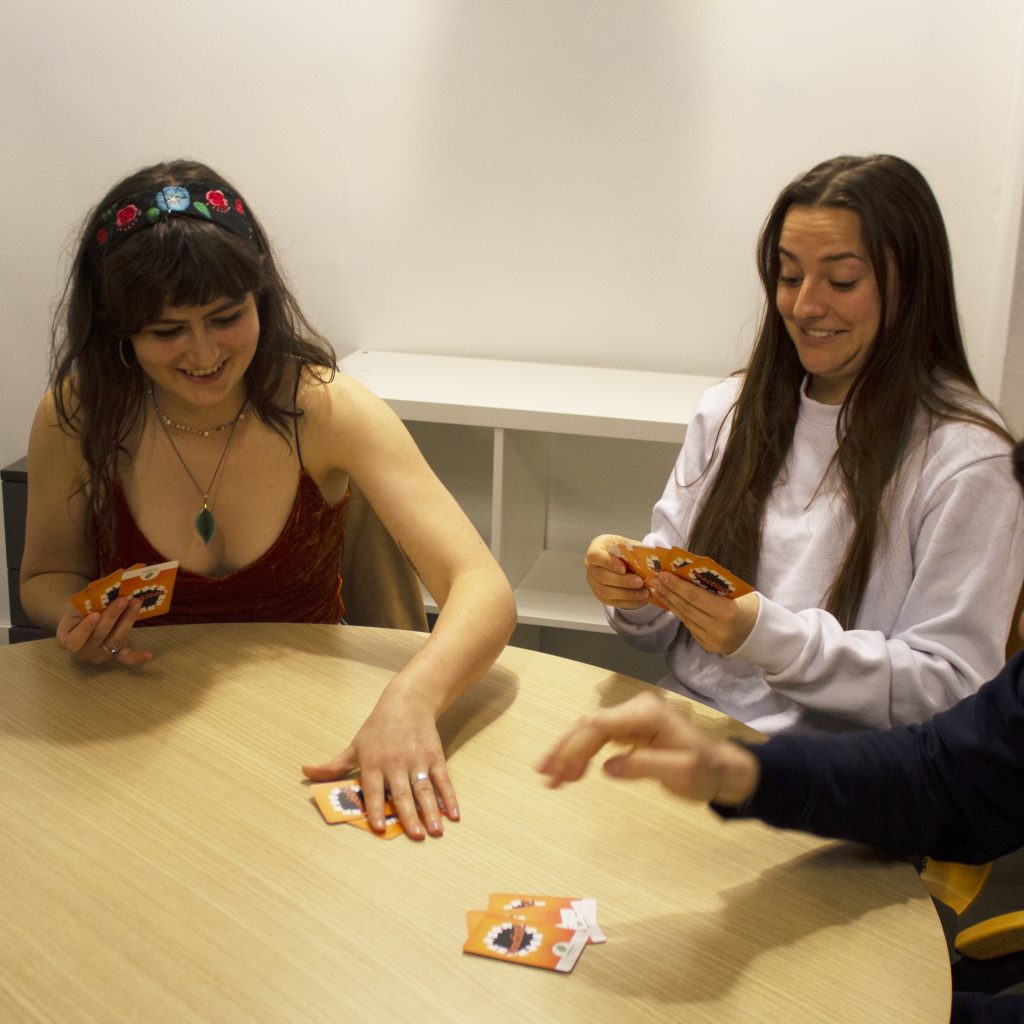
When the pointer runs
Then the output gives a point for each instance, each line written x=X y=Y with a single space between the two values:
x=84 y=704
x=390 y=651
x=477 y=708
x=81 y=704
x=711 y=950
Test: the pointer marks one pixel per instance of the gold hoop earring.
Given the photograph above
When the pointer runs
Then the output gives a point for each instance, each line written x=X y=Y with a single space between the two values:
x=124 y=362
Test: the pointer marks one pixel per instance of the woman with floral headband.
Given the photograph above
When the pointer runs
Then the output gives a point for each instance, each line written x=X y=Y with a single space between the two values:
x=195 y=415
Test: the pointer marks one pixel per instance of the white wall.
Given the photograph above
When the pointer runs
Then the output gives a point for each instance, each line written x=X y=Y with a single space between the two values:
x=573 y=181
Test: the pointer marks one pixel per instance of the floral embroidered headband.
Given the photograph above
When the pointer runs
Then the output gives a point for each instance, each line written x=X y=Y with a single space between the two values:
x=201 y=200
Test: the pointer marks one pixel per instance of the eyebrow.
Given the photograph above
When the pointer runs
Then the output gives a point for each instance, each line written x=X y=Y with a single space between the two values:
x=223 y=307
x=831 y=258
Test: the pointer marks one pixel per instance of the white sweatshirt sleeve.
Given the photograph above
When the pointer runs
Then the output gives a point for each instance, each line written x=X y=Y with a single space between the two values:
x=949 y=626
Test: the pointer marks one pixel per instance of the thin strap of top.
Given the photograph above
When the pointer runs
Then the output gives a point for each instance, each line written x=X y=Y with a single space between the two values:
x=296 y=414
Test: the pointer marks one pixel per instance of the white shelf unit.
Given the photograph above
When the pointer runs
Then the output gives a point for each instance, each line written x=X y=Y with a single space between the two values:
x=543 y=457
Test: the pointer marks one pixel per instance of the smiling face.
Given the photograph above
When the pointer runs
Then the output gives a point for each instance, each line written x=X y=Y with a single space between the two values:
x=828 y=296
x=196 y=357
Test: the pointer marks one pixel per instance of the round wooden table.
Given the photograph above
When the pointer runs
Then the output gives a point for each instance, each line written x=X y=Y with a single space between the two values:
x=161 y=858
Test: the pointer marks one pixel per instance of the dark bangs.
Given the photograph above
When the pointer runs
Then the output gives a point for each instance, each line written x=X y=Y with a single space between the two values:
x=177 y=262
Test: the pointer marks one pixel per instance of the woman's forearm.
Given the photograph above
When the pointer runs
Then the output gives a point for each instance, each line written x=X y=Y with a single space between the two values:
x=43 y=595
x=473 y=627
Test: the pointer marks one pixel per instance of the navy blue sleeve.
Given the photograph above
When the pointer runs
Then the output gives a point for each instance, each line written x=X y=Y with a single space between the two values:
x=983 y=1008
x=950 y=788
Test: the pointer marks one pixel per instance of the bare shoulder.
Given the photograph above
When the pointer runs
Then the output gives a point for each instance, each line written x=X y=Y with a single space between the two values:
x=50 y=438
x=342 y=420
x=46 y=410
x=324 y=392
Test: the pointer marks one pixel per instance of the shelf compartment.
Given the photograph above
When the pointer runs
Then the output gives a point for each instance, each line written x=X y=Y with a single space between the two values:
x=554 y=592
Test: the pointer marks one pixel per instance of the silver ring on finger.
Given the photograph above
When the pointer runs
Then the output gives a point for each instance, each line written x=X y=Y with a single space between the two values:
x=420 y=777
x=112 y=651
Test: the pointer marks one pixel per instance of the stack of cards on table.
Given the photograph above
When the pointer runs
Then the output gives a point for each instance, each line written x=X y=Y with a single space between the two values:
x=539 y=931
x=341 y=803
x=153 y=584
x=704 y=572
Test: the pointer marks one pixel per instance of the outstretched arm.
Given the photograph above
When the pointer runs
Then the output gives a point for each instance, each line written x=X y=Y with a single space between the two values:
x=949 y=788
x=399 y=742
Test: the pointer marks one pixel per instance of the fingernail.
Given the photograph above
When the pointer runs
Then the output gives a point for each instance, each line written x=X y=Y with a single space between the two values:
x=435 y=826
x=454 y=814
x=613 y=766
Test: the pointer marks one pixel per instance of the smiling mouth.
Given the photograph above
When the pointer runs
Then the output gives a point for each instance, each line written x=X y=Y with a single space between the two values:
x=817 y=332
x=203 y=373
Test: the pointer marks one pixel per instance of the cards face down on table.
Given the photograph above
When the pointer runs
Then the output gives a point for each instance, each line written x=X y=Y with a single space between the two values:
x=153 y=584
x=539 y=931
x=703 y=572
x=342 y=803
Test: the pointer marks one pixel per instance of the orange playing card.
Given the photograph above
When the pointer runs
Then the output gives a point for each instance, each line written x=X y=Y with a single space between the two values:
x=392 y=826
x=571 y=911
x=99 y=593
x=709 y=575
x=342 y=803
x=702 y=572
x=339 y=801
x=153 y=584
x=535 y=944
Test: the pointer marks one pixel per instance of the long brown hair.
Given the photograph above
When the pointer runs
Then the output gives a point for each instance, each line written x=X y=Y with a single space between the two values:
x=98 y=388
x=912 y=370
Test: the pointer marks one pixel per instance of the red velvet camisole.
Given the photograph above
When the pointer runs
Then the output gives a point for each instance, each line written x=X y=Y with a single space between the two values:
x=297 y=579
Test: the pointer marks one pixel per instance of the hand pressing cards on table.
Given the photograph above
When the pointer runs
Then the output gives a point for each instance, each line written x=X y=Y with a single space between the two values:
x=538 y=931
x=703 y=572
x=342 y=803
x=152 y=584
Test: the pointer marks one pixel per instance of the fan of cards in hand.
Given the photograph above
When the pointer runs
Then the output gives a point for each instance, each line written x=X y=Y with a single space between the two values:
x=703 y=572
x=152 y=585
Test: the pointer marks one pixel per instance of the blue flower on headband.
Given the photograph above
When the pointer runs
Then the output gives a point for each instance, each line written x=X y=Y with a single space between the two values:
x=172 y=199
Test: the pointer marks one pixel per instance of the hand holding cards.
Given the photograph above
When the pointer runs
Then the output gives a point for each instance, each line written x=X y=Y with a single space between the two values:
x=152 y=584
x=703 y=572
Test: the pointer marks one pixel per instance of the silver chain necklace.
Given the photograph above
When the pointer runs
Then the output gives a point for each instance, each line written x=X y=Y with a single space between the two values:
x=205 y=523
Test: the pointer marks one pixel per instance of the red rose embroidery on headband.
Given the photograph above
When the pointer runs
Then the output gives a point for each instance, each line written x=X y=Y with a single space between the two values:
x=239 y=207
x=216 y=199
x=101 y=236
x=126 y=216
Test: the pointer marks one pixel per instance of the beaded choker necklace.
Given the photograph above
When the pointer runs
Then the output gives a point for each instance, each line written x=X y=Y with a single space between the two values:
x=168 y=422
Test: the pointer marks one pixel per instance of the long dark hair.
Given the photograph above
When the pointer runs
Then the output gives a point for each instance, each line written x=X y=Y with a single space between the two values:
x=98 y=388
x=912 y=369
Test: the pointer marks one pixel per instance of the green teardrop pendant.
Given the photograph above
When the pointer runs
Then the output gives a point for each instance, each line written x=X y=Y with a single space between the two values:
x=205 y=524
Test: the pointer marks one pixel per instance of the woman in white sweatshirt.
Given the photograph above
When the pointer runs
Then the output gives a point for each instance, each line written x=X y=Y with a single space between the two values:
x=852 y=473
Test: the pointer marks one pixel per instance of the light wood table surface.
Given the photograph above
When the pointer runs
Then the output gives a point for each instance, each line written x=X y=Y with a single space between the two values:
x=161 y=859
